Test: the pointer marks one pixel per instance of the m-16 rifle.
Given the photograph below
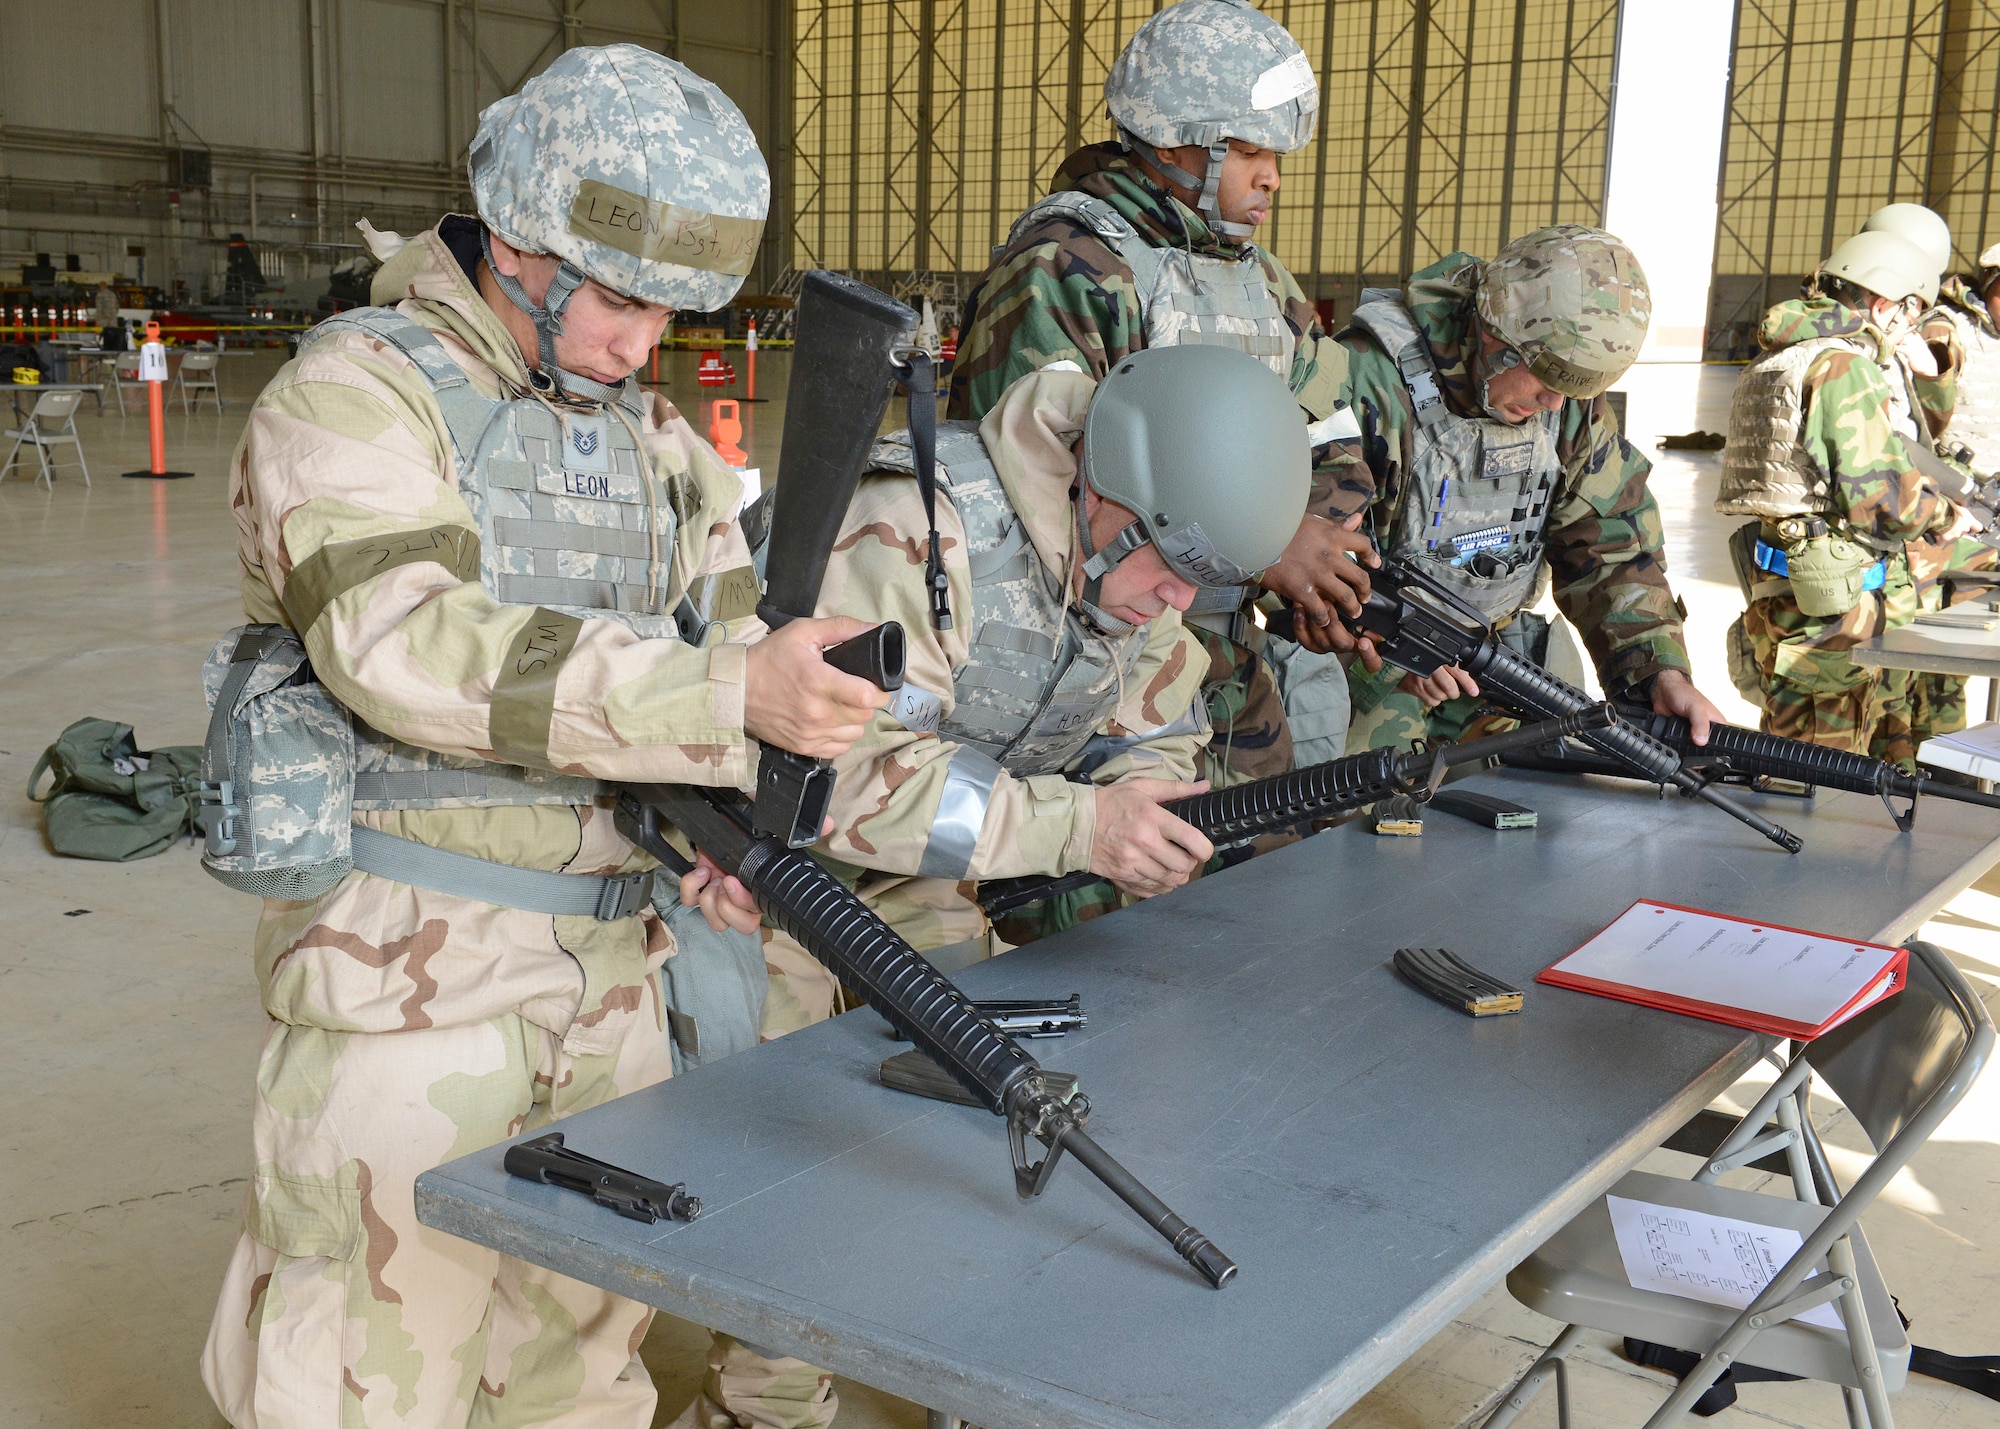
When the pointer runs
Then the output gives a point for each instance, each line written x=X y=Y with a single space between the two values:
x=1735 y=755
x=1421 y=626
x=1287 y=801
x=850 y=340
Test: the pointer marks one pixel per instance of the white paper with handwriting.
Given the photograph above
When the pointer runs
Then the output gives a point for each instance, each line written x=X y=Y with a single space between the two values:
x=1716 y=1259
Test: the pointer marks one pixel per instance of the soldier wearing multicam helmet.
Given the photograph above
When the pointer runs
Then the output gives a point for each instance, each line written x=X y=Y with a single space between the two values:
x=518 y=574
x=1489 y=458
x=1042 y=731
x=1147 y=241
x=1824 y=450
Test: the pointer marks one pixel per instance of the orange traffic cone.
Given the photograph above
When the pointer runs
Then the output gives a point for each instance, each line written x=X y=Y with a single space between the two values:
x=153 y=372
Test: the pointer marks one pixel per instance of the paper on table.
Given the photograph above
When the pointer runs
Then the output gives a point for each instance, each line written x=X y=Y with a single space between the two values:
x=1716 y=1259
x=1782 y=973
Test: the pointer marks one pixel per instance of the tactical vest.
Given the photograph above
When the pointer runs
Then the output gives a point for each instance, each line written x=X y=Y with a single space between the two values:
x=1976 y=419
x=1185 y=297
x=1475 y=501
x=1037 y=682
x=561 y=499
x=1766 y=471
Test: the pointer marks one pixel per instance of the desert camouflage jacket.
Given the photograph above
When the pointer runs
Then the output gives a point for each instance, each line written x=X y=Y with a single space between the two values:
x=1846 y=427
x=1605 y=543
x=346 y=456
x=889 y=784
x=1061 y=292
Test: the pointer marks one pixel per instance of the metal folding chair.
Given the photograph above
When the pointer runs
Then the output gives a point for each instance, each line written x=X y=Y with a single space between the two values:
x=197 y=375
x=1899 y=1068
x=51 y=422
x=125 y=374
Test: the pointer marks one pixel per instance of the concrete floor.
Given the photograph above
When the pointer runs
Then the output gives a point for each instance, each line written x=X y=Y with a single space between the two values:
x=127 y=989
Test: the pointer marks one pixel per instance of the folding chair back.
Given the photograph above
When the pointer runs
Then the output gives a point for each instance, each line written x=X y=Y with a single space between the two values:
x=54 y=410
x=1887 y=1063
x=197 y=375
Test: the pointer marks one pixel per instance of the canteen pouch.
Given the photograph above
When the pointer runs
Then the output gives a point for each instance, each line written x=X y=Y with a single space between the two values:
x=277 y=790
x=1827 y=573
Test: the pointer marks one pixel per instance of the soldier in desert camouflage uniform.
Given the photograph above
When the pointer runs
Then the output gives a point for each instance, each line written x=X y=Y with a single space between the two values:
x=1488 y=458
x=1820 y=452
x=1148 y=241
x=1063 y=705
x=519 y=575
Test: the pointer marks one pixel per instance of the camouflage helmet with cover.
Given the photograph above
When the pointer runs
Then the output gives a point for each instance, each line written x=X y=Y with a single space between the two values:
x=1207 y=448
x=1571 y=303
x=635 y=172
x=1205 y=72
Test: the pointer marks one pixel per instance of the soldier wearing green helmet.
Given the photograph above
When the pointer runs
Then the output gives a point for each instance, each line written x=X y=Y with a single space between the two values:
x=1147 y=241
x=1041 y=733
x=517 y=576
x=1488 y=457
x=1828 y=437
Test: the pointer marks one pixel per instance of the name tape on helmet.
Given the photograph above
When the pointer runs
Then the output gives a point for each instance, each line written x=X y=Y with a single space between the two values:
x=1285 y=80
x=664 y=232
x=1194 y=556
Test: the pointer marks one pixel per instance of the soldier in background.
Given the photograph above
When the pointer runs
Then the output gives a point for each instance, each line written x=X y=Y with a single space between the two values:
x=1965 y=325
x=1148 y=241
x=1488 y=458
x=506 y=560
x=1925 y=371
x=1818 y=452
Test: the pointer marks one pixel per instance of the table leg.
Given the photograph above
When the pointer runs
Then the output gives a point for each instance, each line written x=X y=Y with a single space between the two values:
x=1992 y=699
x=938 y=1419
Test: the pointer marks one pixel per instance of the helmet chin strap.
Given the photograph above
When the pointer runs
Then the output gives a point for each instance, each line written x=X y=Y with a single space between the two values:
x=1487 y=366
x=547 y=318
x=1209 y=185
x=1099 y=564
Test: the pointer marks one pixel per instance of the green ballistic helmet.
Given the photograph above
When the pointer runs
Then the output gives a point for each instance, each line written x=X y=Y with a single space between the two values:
x=1885 y=264
x=1923 y=229
x=1573 y=302
x=634 y=171
x=1207 y=447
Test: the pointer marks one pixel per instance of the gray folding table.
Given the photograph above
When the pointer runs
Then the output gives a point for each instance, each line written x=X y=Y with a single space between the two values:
x=1937 y=649
x=1373 y=1160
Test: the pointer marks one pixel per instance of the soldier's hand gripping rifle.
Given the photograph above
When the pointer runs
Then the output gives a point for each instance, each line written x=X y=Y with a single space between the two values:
x=1737 y=755
x=1421 y=626
x=1286 y=801
x=849 y=339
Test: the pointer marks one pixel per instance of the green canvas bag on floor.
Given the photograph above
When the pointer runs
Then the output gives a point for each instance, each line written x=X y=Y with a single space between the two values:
x=111 y=800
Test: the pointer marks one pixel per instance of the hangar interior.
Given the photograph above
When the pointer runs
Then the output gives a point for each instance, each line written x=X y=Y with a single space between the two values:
x=140 y=139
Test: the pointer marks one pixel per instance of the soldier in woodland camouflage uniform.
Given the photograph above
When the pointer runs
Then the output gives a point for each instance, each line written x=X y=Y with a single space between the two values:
x=1927 y=369
x=1965 y=328
x=1488 y=457
x=1820 y=451
x=1146 y=242
x=504 y=559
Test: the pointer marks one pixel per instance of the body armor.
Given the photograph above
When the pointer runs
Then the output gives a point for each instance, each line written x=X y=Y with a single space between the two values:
x=1184 y=297
x=1976 y=419
x=1766 y=472
x=1475 y=501
x=1037 y=682
x=565 y=522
